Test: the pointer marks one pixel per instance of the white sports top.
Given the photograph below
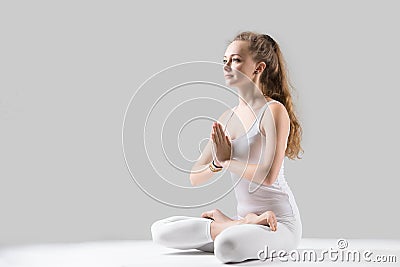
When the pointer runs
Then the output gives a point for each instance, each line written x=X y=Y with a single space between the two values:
x=277 y=197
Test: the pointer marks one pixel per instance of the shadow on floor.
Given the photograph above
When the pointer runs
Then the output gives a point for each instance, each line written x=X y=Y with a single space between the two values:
x=189 y=252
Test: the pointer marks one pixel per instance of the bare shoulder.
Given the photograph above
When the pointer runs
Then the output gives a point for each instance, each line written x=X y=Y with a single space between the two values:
x=225 y=116
x=278 y=109
x=276 y=117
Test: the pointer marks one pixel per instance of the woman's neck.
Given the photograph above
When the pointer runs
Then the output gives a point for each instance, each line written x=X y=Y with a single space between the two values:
x=251 y=96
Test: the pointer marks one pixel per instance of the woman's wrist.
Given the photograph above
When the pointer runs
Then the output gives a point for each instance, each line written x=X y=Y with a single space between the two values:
x=224 y=164
x=216 y=164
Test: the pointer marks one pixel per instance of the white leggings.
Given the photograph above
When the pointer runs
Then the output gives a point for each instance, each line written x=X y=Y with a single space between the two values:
x=234 y=244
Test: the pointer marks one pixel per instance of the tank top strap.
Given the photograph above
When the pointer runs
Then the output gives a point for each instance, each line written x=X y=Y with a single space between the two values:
x=259 y=115
x=261 y=112
x=229 y=118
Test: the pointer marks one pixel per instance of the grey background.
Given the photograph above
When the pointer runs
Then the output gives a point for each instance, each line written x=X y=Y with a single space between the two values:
x=69 y=69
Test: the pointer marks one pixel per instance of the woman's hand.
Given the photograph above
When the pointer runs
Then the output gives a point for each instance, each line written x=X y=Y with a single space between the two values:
x=267 y=218
x=221 y=144
x=216 y=215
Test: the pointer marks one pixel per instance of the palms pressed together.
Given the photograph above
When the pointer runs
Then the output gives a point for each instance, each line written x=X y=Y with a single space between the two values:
x=222 y=153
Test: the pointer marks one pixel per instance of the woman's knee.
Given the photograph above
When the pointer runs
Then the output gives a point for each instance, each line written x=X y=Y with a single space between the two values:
x=156 y=229
x=160 y=232
x=227 y=247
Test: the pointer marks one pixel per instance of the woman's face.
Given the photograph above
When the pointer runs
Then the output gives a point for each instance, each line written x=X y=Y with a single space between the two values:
x=239 y=67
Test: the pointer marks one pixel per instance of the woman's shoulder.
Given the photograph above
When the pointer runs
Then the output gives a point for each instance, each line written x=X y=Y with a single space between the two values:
x=278 y=106
x=276 y=119
x=225 y=115
x=277 y=110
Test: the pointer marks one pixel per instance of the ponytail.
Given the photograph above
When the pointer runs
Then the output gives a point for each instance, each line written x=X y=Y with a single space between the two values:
x=275 y=83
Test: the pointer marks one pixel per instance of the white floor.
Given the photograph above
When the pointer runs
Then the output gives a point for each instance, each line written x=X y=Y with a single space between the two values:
x=146 y=253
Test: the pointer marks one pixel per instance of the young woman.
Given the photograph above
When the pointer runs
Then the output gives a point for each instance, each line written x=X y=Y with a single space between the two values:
x=251 y=142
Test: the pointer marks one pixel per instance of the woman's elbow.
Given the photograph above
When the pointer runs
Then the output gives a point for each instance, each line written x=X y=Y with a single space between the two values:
x=263 y=177
x=192 y=180
x=268 y=180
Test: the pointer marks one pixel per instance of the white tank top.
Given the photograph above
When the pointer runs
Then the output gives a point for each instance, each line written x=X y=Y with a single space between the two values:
x=277 y=197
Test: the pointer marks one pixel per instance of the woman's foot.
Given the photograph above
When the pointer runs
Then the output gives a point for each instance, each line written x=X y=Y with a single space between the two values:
x=216 y=215
x=268 y=218
x=217 y=227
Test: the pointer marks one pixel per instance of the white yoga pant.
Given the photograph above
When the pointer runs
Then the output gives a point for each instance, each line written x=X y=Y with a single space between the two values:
x=234 y=244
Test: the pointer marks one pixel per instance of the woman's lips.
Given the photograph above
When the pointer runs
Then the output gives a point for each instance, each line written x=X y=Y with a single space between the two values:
x=228 y=75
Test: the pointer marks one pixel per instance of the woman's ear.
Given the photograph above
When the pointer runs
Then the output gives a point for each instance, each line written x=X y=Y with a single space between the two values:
x=260 y=67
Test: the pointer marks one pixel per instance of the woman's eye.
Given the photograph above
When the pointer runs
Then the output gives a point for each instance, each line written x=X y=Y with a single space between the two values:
x=233 y=59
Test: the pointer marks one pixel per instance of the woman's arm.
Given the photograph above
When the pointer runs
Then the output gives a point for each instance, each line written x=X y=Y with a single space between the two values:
x=201 y=173
x=276 y=125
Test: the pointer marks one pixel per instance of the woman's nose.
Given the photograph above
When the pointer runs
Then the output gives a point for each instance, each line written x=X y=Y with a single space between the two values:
x=227 y=66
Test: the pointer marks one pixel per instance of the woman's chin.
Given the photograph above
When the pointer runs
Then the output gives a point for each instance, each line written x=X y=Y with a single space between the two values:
x=229 y=82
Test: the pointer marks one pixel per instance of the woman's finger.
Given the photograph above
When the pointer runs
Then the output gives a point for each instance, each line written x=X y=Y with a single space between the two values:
x=221 y=132
x=214 y=136
x=227 y=140
x=225 y=137
x=217 y=133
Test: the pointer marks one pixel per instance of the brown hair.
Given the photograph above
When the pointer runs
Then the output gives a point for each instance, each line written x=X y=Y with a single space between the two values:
x=275 y=82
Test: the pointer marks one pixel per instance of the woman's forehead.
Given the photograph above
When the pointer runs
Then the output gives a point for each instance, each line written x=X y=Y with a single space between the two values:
x=238 y=48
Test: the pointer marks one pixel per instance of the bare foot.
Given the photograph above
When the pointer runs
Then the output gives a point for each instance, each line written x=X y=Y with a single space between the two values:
x=267 y=218
x=217 y=227
x=216 y=215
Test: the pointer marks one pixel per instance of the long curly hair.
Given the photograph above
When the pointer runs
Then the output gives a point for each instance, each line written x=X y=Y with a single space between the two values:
x=275 y=82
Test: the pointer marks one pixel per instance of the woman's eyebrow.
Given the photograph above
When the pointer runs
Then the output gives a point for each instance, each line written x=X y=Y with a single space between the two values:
x=235 y=55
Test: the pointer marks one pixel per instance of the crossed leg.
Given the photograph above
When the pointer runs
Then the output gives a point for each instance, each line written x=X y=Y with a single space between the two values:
x=242 y=242
x=234 y=242
x=182 y=232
